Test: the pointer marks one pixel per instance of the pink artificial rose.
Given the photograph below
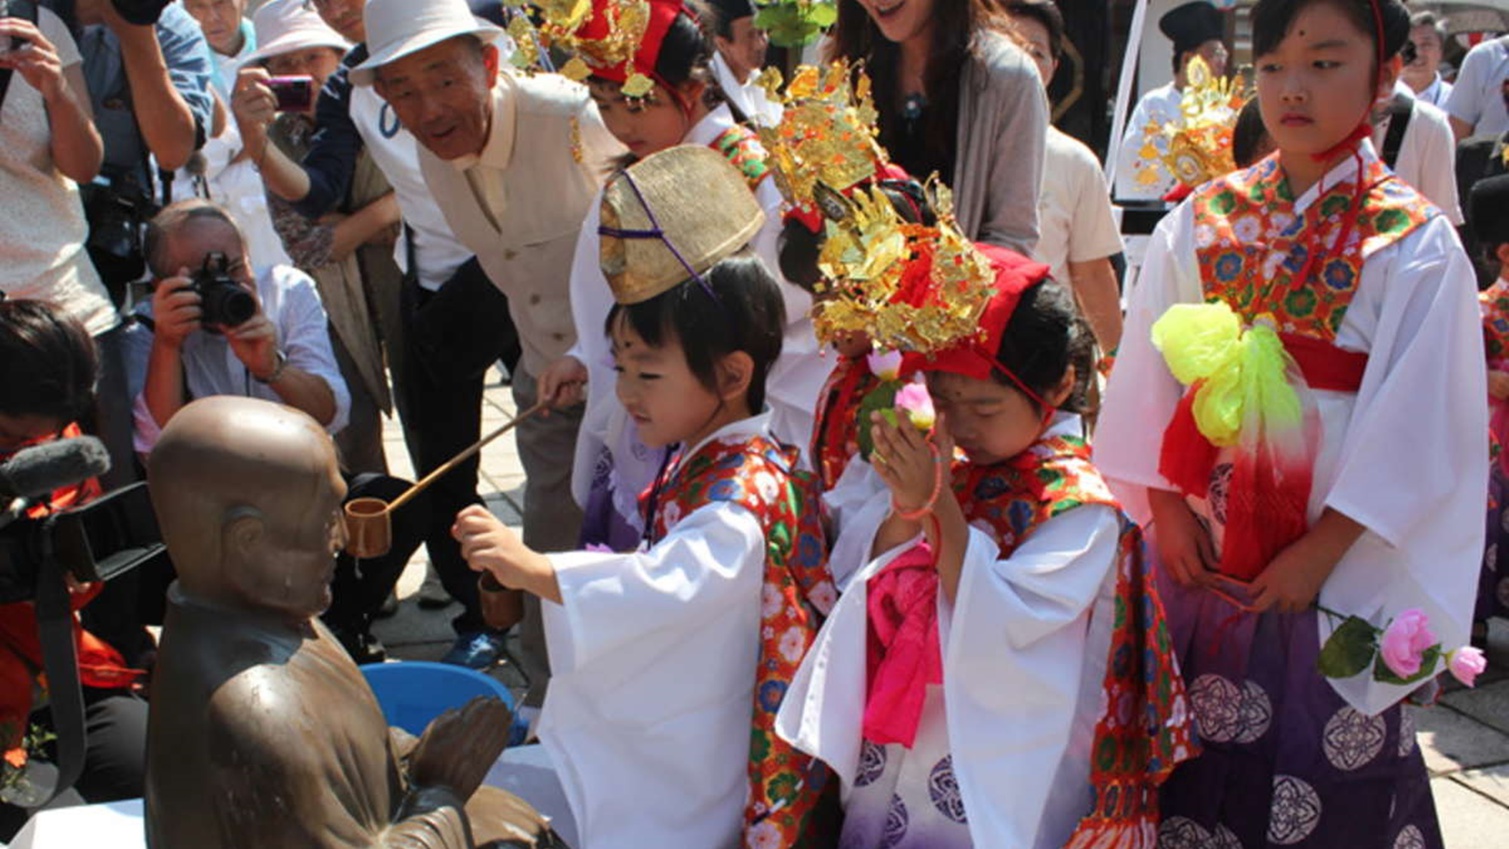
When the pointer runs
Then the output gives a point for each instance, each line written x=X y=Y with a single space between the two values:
x=914 y=400
x=1405 y=641
x=1466 y=664
x=885 y=365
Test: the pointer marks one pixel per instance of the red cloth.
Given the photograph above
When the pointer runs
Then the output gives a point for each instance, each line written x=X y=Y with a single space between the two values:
x=903 y=654
x=976 y=356
x=1268 y=496
x=21 y=650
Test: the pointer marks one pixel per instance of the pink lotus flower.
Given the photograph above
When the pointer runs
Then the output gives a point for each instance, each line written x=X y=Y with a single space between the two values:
x=913 y=400
x=1405 y=641
x=1466 y=664
x=885 y=365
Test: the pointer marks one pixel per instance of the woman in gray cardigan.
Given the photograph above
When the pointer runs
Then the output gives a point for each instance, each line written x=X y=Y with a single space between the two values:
x=959 y=98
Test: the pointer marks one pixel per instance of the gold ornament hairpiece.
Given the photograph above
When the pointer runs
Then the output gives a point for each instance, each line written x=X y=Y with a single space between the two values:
x=625 y=23
x=826 y=134
x=908 y=286
x=1199 y=140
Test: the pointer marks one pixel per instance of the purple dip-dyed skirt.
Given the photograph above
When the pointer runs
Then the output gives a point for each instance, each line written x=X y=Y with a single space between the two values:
x=1286 y=762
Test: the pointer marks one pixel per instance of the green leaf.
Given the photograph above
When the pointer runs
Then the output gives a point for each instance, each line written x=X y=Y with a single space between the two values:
x=1428 y=661
x=883 y=399
x=823 y=15
x=1349 y=650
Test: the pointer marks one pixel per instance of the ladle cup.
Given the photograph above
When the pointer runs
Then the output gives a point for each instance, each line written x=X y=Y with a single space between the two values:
x=369 y=526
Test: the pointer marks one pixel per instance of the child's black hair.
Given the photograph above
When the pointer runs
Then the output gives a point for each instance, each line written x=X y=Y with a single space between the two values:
x=1271 y=20
x=799 y=247
x=1249 y=136
x=747 y=315
x=1045 y=336
x=48 y=363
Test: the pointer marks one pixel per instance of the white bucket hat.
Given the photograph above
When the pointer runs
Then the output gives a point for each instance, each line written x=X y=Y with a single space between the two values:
x=396 y=28
x=284 y=26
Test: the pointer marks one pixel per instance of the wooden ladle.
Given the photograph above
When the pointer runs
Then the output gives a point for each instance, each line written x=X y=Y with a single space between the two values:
x=369 y=526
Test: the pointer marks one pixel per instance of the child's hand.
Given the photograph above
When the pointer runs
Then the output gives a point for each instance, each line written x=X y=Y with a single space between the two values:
x=488 y=545
x=907 y=461
x=1184 y=545
x=1290 y=584
x=1292 y=580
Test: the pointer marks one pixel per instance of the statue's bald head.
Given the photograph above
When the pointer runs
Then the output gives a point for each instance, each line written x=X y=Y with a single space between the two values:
x=248 y=494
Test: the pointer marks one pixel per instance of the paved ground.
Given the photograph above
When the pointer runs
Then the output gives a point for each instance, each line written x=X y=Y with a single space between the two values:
x=1465 y=738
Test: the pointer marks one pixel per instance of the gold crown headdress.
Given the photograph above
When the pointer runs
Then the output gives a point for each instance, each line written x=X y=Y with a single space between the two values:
x=910 y=287
x=603 y=36
x=826 y=134
x=1199 y=140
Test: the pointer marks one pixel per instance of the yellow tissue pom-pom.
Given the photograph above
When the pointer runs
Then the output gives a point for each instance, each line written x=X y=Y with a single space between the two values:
x=1244 y=372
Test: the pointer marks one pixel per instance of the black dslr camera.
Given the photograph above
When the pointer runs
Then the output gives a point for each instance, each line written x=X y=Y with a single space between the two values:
x=225 y=302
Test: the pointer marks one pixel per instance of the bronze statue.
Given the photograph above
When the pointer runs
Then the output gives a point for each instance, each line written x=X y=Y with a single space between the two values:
x=262 y=732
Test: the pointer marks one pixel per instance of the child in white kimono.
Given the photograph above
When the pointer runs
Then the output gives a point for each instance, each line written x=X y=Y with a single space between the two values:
x=670 y=662
x=1351 y=484
x=613 y=466
x=999 y=632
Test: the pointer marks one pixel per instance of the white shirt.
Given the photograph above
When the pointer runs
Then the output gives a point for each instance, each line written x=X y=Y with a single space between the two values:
x=437 y=250
x=1427 y=155
x=1074 y=218
x=42 y=226
x=1477 y=98
x=291 y=302
x=1403 y=456
x=653 y=659
x=1158 y=107
x=1436 y=93
x=749 y=97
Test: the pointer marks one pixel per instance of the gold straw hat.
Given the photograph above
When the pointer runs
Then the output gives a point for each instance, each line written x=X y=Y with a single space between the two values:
x=672 y=216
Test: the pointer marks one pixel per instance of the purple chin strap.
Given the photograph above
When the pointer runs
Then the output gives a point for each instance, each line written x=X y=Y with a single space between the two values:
x=655 y=232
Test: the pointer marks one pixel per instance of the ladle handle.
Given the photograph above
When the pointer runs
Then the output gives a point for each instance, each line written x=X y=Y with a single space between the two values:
x=460 y=458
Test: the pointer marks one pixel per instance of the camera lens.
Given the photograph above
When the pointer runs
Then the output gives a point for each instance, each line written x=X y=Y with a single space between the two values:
x=227 y=304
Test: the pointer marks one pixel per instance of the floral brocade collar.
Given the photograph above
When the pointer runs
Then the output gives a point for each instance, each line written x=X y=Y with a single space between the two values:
x=1254 y=242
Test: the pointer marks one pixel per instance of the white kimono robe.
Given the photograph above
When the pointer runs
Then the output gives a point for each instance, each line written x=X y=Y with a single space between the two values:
x=791 y=388
x=1024 y=648
x=1405 y=455
x=653 y=659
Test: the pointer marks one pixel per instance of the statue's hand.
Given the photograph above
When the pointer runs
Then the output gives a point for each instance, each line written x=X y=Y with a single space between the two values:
x=460 y=746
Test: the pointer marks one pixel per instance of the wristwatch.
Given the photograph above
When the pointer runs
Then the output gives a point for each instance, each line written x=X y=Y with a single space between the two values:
x=280 y=362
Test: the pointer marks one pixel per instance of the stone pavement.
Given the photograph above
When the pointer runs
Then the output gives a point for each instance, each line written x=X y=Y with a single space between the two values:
x=1465 y=738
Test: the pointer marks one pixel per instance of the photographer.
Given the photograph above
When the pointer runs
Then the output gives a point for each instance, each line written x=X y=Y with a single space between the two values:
x=281 y=352
x=211 y=330
x=48 y=367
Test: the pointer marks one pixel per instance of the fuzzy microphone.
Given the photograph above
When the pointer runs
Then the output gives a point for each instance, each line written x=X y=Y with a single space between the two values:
x=38 y=471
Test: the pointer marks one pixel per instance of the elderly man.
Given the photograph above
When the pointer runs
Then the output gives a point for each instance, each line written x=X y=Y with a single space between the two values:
x=514 y=162
x=244 y=748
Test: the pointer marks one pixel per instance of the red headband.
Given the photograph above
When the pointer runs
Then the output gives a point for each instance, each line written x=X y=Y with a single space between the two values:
x=975 y=357
x=596 y=28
